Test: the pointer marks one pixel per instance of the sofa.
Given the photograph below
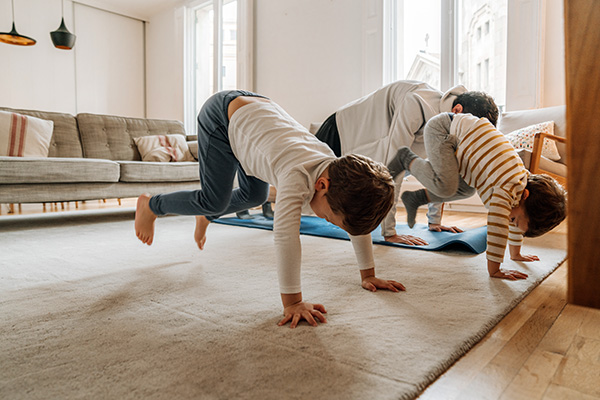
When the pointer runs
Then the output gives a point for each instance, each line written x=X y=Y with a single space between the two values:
x=533 y=154
x=93 y=156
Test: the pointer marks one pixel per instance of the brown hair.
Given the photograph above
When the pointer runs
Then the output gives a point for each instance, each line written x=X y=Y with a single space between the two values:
x=479 y=104
x=361 y=190
x=546 y=205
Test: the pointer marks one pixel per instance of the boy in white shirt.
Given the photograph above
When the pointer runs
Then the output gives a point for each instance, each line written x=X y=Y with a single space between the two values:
x=465 y=148
x=245 y=133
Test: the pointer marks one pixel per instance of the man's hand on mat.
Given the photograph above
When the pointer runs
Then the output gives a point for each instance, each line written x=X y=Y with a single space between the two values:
x=440 y=228
x=299 y=311
x=373 y=283
x=511 y=274
x=406 y=239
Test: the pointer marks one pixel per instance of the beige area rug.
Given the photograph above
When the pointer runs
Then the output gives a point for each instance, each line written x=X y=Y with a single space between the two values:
x=87 y=311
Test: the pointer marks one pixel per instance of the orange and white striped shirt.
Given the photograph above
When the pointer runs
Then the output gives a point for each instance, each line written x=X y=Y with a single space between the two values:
x=489 y=163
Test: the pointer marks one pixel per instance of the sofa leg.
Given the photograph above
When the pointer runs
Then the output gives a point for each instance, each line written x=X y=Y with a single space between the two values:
x=76 y=204
x=11 y=208
x=119 y=200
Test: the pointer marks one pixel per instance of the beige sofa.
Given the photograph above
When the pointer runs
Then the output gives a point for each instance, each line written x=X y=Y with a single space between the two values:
x=93 y=156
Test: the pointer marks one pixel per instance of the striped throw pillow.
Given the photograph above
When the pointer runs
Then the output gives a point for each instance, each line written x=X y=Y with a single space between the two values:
x=24 y=136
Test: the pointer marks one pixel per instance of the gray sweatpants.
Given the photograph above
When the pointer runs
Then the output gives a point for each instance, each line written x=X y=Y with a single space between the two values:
x=440 y=172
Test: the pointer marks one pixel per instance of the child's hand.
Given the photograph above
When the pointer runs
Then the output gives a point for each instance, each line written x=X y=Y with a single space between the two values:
x=299 y=311
x=511 y=274
x=373 y=283
x=515 y=254
x=495 y=272
x=526 y=257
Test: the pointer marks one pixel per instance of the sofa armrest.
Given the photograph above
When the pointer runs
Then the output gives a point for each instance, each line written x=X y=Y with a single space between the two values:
x=536 y=153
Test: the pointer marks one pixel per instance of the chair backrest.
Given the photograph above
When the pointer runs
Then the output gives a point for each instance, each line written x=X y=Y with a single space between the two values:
x=513 y=120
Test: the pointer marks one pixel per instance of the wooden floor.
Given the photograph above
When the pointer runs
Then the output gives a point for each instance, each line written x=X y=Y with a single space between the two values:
x=543 y=349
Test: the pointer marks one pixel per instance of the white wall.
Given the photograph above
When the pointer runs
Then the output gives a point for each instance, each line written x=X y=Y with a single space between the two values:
x=308 y=55
x=104 y=73
x=554 y=88
x=165 y=64
x=39 y=76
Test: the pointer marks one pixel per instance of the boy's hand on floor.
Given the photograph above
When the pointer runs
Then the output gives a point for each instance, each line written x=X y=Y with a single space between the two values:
x=373 y=283
x=525 y=257
x=302 y=310
x=510 y=274
x=406 y=239
x=495 y=272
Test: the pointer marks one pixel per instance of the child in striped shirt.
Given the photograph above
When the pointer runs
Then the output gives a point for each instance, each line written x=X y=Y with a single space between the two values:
x=468 y=148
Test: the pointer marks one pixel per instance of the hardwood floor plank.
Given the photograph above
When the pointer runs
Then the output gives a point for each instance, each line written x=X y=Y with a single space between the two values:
x=555 y=392
x=561 y=334
x=534 y=377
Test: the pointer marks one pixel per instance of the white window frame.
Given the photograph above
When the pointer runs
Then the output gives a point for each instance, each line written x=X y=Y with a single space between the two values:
x=245 y=31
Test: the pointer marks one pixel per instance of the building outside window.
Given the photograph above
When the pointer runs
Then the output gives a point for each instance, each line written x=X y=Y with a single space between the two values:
x=475 y=40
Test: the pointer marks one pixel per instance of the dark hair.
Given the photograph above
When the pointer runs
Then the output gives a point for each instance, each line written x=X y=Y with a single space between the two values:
x=479 y=104
x=546 y=205
x=361 y=190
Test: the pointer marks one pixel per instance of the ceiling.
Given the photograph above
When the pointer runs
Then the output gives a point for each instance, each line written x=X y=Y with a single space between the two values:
x=142 y=9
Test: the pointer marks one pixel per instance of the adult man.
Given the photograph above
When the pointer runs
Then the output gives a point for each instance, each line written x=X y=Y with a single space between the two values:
x=378 y=124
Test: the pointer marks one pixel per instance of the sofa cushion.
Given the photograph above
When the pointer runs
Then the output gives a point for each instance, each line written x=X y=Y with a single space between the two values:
x=111 y=137
x=65 y=136
x=24 y=135
x=513 y=120
x=163 y=148
x=57 y=170
x=135 y=171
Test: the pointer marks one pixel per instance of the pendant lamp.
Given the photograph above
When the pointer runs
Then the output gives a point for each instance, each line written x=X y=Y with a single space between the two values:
x=62 y=38
x=13 y=37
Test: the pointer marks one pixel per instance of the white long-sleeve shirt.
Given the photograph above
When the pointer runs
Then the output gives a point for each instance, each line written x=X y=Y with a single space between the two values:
x=378 y=124
x=271 y=146
x=489 y=163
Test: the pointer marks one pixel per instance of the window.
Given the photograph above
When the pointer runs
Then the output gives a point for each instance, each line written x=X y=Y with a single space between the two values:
x=451 y=42
x=213 y=51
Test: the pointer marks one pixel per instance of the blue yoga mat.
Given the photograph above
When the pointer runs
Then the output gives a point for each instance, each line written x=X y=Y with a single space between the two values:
x=472 y=240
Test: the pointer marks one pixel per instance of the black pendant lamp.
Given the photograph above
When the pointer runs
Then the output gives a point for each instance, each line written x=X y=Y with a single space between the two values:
x=13 y=37
x=62 y=38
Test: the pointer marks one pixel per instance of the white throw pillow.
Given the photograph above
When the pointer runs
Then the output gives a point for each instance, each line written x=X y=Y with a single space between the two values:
x=523 y=139
x=24 y=136
x=163 y=148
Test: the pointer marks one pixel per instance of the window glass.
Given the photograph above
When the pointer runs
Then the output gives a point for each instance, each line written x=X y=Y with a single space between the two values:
x=230 y=45
x=204 y=54
x=481 y=47
x=206 y=49
x=418 y=41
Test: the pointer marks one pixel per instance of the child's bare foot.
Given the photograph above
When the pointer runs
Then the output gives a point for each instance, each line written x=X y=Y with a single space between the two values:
x=144 y=220
x=200 y=232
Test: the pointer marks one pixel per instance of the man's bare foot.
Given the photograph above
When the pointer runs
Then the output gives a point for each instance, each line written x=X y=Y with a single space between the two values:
x=144 y=220
x=200 y=232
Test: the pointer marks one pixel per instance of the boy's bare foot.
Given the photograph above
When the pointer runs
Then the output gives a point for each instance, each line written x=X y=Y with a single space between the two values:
x=144 y=220
x=200 y=232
